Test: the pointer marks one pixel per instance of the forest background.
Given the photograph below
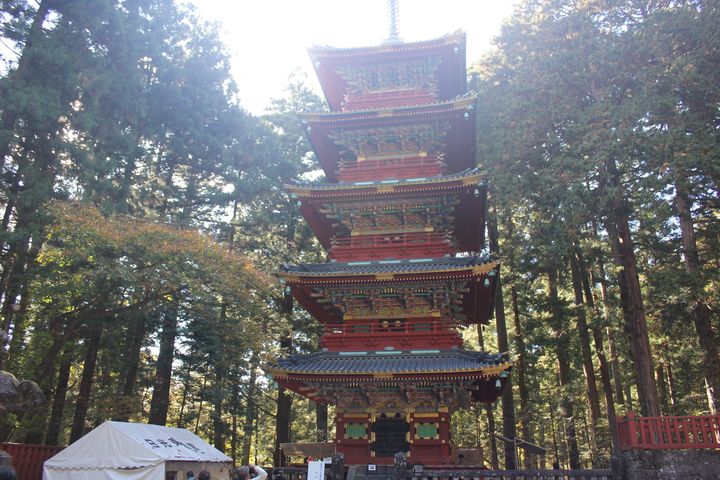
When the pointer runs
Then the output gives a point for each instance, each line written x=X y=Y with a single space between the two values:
x=143 y=215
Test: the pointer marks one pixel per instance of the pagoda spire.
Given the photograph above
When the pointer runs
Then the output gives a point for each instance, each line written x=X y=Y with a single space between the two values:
x=394 y=20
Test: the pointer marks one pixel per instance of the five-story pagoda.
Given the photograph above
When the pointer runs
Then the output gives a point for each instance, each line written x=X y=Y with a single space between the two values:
x=402 y=219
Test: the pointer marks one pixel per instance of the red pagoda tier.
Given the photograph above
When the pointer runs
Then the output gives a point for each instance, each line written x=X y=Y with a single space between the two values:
x=403 y=222
x=390 y=401
x=397 y=372
x=392 y=74
x=395 y=304
x=398 y=218
x=398 y=142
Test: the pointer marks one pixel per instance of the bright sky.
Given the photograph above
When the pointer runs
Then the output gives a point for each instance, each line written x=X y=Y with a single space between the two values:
x=268 y=38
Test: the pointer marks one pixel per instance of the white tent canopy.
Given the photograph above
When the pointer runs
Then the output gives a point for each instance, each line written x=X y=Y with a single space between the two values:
x=135 y=451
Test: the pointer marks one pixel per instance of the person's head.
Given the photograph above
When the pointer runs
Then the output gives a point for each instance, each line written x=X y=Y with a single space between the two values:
x=203 y=475
x=7 y=473
x=190 y=475
x=242 y=472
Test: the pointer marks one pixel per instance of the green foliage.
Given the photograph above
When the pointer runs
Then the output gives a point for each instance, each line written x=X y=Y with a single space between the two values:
x=571 y=88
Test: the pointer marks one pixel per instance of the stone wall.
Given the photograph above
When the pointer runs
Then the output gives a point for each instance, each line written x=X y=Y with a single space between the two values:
x=671 y=465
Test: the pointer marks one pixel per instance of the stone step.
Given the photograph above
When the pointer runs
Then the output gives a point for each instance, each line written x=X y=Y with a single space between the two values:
x=360 y=472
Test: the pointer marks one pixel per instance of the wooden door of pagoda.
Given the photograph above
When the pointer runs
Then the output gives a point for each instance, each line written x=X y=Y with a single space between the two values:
x=390 y=436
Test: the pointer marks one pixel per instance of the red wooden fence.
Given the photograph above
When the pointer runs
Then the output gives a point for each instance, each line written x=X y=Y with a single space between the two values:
x=668 y=433
x=28 y=459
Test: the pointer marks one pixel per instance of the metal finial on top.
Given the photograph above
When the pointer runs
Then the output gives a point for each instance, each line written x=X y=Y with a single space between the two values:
x=394 y=20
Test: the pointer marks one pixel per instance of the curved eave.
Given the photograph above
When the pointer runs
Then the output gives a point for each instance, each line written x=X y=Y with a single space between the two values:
x=388 y=115
x=459 y=140
x=349 y=277
x=478 y=372
x=389 y=49
x=451 y=74
x=360 y=189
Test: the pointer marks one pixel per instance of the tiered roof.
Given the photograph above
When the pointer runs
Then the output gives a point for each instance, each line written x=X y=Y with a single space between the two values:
x=403 y=219
x=438 y=66
x=395 y=367
x=450 y=125
x=373 y=269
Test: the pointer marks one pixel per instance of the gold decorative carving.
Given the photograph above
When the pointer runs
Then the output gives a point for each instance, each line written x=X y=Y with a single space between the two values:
x=300 y=192
x=480 y=269
x=385 y=276
x=356 y=415
x=471 y=180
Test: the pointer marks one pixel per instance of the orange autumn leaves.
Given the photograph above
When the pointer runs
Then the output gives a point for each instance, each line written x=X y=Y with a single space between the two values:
x=143 y=256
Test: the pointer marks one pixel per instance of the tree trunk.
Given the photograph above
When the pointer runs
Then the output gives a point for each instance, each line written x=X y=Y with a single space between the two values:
x=494 y=462
x=15 y=280
x=52 y=436
x=200 y=407
x=633 y=306
x=7 y=215
x=607 y=388
x=284 y=401
x=585 y=275
x=92 y=345
x=282 y=417
x=662 y=387
x=556 y=451
x=163 y=371
x=217 y=420
x=250 y=410
x=671 y=390
x=233 y=433
x=614 y=362
x=701 y=311
x=586 y=356
x=564 y=372
x=508 y=402
x=519 y=373
x=321 y=422
x=541 y=434
x=132 y=364
x=186 y=390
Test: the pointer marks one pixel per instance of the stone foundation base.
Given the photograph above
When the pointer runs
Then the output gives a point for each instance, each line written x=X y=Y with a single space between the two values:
x=671 y=465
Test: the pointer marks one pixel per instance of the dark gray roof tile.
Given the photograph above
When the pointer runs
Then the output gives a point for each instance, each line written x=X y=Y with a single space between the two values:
x=415 y=265
x=395 y=182
x=396 y=361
